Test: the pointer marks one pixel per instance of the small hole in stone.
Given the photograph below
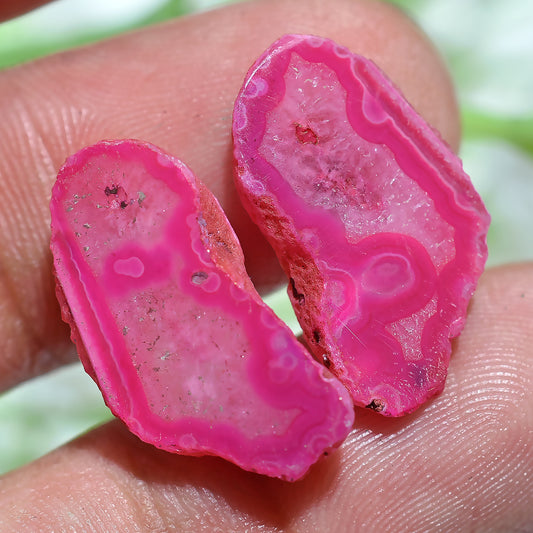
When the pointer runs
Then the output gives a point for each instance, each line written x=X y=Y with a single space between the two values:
x=111 y=190
x=298 y=296
x=199 y=277
x=376 y=405
x=305 y=135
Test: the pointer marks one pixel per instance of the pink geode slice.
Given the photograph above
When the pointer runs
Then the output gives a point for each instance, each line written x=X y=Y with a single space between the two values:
x=151 y=280
x=379 y=230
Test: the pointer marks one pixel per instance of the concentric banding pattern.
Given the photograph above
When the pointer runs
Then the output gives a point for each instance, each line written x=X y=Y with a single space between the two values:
x=376 y=224
x=181 y=347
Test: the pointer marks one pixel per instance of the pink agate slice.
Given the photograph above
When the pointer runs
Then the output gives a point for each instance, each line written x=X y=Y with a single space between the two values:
x=378 y=228
x=151 y=280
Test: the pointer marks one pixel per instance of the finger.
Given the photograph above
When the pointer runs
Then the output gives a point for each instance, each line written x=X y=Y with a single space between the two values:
x=173 y=85
x=13 y=8
x=463 y=463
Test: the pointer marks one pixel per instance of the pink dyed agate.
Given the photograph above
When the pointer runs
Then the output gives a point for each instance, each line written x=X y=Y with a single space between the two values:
x=378 y=228
x=151 y=279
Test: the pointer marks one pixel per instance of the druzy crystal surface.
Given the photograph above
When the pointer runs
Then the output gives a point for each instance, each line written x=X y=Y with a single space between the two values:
x=379 y=229
x=151 y=279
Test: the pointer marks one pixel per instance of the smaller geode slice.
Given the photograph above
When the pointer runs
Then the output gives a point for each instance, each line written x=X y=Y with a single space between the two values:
x=151 y=279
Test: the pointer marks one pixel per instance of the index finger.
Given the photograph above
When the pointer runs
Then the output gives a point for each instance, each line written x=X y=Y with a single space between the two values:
x=172 y=85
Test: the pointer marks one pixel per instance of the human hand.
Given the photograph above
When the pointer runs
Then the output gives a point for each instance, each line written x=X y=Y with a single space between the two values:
x=463 y=462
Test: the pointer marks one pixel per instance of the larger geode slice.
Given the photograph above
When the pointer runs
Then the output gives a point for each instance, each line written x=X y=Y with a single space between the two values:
x=379 y=230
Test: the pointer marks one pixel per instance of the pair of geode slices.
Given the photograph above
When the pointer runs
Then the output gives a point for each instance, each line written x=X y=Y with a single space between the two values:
x=379 y=230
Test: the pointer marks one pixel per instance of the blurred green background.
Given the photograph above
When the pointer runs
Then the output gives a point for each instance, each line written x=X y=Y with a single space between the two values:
x=488 y=45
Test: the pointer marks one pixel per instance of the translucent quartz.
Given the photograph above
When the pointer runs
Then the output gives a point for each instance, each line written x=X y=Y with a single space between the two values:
x=377 y=226
x=151 y=279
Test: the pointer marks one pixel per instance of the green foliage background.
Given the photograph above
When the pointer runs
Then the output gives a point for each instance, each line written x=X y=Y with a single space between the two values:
x=488 y=45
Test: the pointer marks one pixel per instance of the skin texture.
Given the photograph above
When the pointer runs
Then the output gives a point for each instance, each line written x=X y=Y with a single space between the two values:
x=462 y=463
